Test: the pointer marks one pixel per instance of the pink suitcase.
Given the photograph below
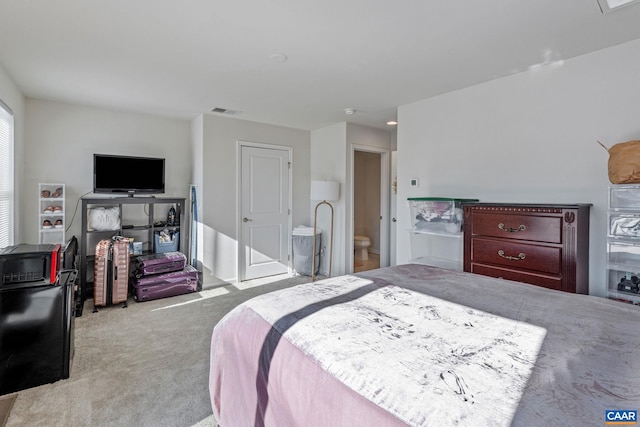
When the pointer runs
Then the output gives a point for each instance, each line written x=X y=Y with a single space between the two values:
x=157 y=286
x=111 y=277
x=160 y=263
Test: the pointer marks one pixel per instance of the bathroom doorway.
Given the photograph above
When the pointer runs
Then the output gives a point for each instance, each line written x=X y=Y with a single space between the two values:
x=368 y=233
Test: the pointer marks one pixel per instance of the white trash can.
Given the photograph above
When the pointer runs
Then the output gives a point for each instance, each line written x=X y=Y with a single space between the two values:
x=303 y=249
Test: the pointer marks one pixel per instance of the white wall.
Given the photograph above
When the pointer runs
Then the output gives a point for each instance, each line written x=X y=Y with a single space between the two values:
x=332 y=150
x=393 y=135
x=197 y=151
x=219 y=186
x=61 y=139
x=197 y=174
x=12 y=97
x=530 y=137
x=329 y=162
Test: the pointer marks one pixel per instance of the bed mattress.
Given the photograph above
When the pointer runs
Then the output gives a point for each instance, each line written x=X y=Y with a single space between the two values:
x=421 y=346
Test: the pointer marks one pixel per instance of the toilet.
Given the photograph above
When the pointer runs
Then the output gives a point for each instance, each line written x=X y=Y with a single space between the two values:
x=361 y=245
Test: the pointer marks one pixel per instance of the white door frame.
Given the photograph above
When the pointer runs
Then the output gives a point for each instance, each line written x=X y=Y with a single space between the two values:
x=384 y=205
x=240 y=274
x=393 y=209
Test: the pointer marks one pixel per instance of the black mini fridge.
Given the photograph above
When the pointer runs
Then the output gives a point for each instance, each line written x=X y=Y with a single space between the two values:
x=36 y=332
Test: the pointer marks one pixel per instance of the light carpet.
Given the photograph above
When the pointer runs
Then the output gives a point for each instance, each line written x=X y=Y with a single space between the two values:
x=145 y=365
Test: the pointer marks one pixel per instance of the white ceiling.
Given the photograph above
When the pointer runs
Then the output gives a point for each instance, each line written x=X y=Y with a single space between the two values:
x=183 y=58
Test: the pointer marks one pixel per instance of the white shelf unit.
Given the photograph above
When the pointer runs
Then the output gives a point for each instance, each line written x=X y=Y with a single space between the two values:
x=435 y=233
x=51 y=218
x=623 y=243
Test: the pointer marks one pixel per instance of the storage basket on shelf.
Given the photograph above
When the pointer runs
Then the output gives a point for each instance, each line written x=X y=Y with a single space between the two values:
x=166 y=241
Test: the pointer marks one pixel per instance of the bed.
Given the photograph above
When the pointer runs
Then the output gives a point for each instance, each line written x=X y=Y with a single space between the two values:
x=422 y=346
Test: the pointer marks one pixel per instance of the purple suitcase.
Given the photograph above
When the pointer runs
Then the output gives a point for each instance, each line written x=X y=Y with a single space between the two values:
x=160 y=263
x=148 y=288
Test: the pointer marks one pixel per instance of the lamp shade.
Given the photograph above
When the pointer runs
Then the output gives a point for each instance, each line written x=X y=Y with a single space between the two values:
x=325 y=190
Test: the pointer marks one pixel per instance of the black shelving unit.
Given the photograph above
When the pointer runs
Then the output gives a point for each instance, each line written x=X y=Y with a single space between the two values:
x=148 y=228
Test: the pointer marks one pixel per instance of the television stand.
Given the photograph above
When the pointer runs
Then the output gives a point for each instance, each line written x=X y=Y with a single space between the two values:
x=141 y=227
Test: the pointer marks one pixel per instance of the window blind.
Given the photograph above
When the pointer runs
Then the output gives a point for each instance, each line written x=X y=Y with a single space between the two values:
x=6 y=176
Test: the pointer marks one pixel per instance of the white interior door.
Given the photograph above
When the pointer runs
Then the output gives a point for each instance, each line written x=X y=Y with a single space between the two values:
x=265 y=227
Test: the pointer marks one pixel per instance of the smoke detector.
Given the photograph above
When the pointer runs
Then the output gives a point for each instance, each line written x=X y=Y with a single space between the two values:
x=349 y=111
x=278 y=57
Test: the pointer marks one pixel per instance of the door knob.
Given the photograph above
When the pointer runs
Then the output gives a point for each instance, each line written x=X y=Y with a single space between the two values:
x=246 y=220
x=393 y=219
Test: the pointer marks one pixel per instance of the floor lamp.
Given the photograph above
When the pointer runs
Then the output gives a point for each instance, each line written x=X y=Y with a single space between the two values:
x=323 y=190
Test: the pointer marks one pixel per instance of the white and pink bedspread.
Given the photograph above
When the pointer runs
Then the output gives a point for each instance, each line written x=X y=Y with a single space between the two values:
x=420 y=346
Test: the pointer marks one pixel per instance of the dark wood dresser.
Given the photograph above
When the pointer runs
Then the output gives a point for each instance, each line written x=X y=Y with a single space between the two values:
x=545 y=245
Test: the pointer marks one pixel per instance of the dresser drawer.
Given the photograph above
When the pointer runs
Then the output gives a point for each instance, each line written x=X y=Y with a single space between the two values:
x=516 y=226
x=515 y=255
x=518 y=276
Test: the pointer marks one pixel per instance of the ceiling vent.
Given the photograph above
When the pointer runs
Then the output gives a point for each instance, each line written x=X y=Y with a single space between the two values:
x=607 y=6
x=224 y=111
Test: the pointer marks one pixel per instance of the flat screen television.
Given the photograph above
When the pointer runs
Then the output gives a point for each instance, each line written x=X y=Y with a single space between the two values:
x=127 y=174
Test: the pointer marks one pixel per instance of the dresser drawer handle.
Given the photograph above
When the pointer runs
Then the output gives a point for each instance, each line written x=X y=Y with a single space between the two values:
x=512 y=258
x=502 y=227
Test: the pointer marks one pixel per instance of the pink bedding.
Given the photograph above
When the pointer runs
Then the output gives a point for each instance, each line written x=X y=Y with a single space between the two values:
x=285 y=397
x=416 y=345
